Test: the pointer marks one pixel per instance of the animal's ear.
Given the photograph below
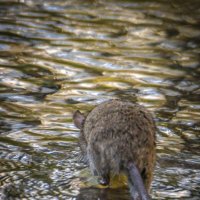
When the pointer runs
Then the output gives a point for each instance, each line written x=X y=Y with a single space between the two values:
x=79 y=119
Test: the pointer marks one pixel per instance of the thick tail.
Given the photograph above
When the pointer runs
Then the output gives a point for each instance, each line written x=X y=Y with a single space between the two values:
x=136 y=183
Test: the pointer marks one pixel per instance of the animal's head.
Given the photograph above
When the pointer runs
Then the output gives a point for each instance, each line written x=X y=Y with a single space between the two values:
x=79 y=120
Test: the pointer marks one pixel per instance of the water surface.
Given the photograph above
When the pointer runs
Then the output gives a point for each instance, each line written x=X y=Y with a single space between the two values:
x=59 y=56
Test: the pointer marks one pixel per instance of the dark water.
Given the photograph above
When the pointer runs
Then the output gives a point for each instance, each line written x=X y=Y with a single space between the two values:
x=59 y=56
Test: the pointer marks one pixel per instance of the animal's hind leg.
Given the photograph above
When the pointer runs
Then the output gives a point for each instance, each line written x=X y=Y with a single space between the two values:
x=104 y=180
x=146 y=175
x=99 y=165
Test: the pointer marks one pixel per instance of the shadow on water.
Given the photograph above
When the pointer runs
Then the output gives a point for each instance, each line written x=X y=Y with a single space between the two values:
x=109 y=194
x=59 y=56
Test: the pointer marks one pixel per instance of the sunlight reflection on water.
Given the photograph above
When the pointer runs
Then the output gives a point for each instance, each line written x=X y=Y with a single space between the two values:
x=60 y=56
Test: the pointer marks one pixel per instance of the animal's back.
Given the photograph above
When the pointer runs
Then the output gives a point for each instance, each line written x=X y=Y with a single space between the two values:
x=118 y=133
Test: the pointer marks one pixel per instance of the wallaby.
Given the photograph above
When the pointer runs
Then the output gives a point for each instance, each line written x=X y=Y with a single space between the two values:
x=119 y=137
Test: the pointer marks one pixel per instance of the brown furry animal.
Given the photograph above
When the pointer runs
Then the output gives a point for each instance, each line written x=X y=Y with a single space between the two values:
x=117 y=137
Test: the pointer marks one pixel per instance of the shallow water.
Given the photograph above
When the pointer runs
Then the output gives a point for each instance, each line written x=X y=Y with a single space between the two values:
x=59 y=56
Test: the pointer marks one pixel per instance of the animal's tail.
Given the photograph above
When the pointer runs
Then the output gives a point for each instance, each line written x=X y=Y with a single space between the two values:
x=136 y=184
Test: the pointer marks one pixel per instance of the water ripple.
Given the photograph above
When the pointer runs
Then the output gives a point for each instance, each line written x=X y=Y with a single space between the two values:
x=59 y=56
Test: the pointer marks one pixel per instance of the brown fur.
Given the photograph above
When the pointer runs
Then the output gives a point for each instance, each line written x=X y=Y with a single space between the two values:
x=116 y=133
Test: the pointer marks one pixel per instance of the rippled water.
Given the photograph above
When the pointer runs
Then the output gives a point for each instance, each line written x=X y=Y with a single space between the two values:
x=59 y=56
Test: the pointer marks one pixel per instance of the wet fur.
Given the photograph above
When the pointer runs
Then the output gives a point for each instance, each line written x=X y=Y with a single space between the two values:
x=117 y=133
